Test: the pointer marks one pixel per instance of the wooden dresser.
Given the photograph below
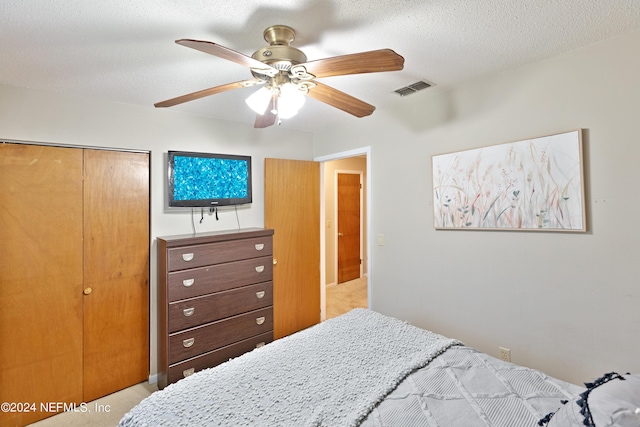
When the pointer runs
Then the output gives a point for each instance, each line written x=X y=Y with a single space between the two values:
x=215 y=299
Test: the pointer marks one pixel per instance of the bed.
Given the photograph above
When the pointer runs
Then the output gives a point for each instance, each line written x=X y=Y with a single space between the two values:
x=361 y=368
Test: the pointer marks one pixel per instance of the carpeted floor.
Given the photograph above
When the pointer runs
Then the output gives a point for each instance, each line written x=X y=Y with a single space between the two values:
x=346 y=296
x=103 y=412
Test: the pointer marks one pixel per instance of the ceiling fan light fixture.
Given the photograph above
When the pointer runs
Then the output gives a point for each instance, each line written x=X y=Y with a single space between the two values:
x=288 y=76
x=259 y=100
x=290 y=101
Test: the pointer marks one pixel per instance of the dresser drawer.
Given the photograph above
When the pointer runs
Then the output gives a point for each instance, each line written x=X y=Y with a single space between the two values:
x=197 y=311
x=216 y=278
x=215 y=253
x=187 y=367
x=195 y=341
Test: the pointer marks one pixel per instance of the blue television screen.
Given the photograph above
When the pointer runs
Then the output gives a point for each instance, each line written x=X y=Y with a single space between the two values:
x=207 y=179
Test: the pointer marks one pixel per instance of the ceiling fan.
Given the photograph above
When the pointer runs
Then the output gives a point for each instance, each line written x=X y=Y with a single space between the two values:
x=287 y=77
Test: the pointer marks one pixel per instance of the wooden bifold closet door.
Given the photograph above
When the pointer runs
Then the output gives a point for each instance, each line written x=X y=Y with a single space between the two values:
x=116 y=271
x=74 y=275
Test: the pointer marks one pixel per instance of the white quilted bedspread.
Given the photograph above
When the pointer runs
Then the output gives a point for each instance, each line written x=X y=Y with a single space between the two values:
x=467 y=388
x=332 y=374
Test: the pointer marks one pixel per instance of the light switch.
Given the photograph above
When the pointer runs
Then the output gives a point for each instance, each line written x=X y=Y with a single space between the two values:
x=380 y=239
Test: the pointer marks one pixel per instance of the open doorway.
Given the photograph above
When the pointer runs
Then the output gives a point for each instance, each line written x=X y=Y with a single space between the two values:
x=345 y=281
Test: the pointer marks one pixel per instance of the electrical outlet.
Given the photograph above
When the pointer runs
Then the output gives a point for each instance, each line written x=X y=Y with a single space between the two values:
x=505 y=354
x=380 y=239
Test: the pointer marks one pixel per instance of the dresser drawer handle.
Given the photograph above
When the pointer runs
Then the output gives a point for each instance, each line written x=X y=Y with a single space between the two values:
x=260 y=268
x=260 y=320
x=259 y=246
x=260 y=344
x=188 y=311
x=187 y=257
x=188 y=282
x=188 y=372
x=188 y=342
x=260 y=294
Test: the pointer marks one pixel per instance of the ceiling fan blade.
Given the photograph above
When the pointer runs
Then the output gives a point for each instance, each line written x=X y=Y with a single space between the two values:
x=373 y=61
x=265 y=120
x=206 y=92
x=228 y=54
x=340 y=100
x=269 y=118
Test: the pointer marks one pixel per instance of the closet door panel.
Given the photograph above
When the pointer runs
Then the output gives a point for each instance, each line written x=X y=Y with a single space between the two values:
x=116 y=271
x=40 y=277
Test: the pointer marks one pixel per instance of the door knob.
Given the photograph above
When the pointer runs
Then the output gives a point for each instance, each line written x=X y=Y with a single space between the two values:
x=275 y=261
x=340 y=235
x=87 y=291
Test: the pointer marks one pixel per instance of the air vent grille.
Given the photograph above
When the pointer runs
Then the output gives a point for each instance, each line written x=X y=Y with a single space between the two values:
x=413 y=88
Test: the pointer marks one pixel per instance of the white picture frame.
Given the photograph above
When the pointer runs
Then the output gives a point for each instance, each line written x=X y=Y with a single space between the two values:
x=531 y=185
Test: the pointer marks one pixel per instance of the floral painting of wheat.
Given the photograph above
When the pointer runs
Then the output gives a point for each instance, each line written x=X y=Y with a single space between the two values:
x=534 y=184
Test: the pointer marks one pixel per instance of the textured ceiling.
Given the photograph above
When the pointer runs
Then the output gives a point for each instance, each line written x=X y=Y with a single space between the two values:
x=124 y=50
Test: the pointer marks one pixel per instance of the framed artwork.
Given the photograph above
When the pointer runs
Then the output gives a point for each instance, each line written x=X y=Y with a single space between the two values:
x=533 y=184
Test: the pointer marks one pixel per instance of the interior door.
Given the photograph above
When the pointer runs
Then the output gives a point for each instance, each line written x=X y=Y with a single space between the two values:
x=40 y=278
x=292 y=209
x=349 y=260
x=116 y=271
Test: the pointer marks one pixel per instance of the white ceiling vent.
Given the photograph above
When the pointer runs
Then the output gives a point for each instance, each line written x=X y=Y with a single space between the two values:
x=413 y=88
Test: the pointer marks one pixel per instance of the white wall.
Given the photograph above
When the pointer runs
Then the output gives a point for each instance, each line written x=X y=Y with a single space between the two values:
x=30 y=115
x=566 y=303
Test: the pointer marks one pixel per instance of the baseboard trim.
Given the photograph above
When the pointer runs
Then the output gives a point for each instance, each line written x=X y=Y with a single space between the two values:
x=153 y=379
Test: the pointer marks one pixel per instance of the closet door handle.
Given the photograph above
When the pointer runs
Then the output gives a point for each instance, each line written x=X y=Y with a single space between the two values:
x=188 y=282
x=188 y=372
x=188 y=311
x=188 y=342
x=187 y=257
x=259 y=246
x=260 y=294
x=260 y=320
x=260 y=268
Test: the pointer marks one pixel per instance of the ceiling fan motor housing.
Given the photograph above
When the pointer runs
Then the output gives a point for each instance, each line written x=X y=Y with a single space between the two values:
x=280 y=57
x=280 y=54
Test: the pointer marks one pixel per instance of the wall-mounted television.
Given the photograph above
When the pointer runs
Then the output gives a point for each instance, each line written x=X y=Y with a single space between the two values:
x=208 y=179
